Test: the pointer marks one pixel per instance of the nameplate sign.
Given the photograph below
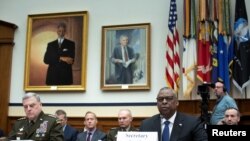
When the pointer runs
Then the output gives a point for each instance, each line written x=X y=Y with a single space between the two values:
x=137 y=136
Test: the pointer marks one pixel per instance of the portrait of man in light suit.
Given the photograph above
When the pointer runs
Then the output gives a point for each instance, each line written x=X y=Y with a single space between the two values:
x=125 y=56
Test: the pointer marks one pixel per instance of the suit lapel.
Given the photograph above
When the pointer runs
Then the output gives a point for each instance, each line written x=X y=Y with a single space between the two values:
x=177 y=127
x=55 y=43
x=95 y=135
x=66 y=132
x=84 y=136
x=157 y=125
x=120 y=52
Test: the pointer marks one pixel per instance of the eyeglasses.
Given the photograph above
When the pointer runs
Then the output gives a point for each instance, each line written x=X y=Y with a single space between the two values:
x=167 y=98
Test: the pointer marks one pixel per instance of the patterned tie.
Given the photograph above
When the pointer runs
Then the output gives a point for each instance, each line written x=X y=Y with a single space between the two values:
x=165 y=133
x=88 y=137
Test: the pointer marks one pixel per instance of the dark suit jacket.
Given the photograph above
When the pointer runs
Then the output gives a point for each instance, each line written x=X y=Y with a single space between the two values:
x=70 y=133
x=46 y=128
x=123 y=75
x=1 y=133
x=185 y=128
x=98 y=135
x=59 y=72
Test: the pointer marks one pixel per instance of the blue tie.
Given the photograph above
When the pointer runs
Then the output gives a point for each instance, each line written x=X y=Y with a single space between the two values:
x=165 y=133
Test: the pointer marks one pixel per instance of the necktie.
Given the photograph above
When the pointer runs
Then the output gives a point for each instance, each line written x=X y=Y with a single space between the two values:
x=31 y=123
x=125 y=54
x=60 y=42
x=89 y=135
x=165 y=133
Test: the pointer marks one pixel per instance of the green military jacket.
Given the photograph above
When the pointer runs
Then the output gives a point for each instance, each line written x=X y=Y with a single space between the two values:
x=112 y=134
x=46 y=128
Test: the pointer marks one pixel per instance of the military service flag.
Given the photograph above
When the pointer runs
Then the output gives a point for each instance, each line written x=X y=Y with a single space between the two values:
x=241 y=65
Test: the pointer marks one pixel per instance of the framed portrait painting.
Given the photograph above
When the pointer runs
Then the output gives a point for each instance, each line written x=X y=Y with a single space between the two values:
x=56 y=52
x=125 y=57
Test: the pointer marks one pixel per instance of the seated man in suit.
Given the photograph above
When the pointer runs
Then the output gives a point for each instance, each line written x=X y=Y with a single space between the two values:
x=91 y=132
x=70 y=133
x=124 y=119
x=171 y=124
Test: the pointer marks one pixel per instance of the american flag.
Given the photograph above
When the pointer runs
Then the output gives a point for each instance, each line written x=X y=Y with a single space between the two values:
x=172 y=53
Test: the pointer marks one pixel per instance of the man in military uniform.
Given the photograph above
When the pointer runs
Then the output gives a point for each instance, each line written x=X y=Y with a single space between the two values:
x=124 y=119
x=36 y=125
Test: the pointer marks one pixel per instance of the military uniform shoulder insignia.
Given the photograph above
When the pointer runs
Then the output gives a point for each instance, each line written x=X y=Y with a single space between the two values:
x=51 y=115
x=23 y=118
x=58 y=121
x=114 y=128
x=134 y=129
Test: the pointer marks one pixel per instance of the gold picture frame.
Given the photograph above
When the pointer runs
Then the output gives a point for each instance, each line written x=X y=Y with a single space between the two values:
x=52 y=66
x=130 y=71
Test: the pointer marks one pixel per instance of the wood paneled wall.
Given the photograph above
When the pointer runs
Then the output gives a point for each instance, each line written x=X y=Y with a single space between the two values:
x=6 y=47
x=190 y=107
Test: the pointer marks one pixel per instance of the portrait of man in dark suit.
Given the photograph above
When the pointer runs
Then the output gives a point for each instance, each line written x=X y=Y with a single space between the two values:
x=55 y=52
x=59 y=57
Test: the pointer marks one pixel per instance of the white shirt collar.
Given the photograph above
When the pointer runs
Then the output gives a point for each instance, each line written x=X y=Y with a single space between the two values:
x=64 y=127
x=60 y=40
x=171 y=119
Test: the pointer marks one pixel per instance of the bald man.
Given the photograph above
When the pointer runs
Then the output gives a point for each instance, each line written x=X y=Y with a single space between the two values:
x=124 y=120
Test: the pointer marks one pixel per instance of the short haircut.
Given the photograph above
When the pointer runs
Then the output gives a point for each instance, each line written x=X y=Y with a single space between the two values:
x=220 y=81
x=123 y=36
x=127 y=110
x=31 y=94
x=63 y=25
x=169 y=89
x=233 y=108
x=61 y=112
x=89 y=112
